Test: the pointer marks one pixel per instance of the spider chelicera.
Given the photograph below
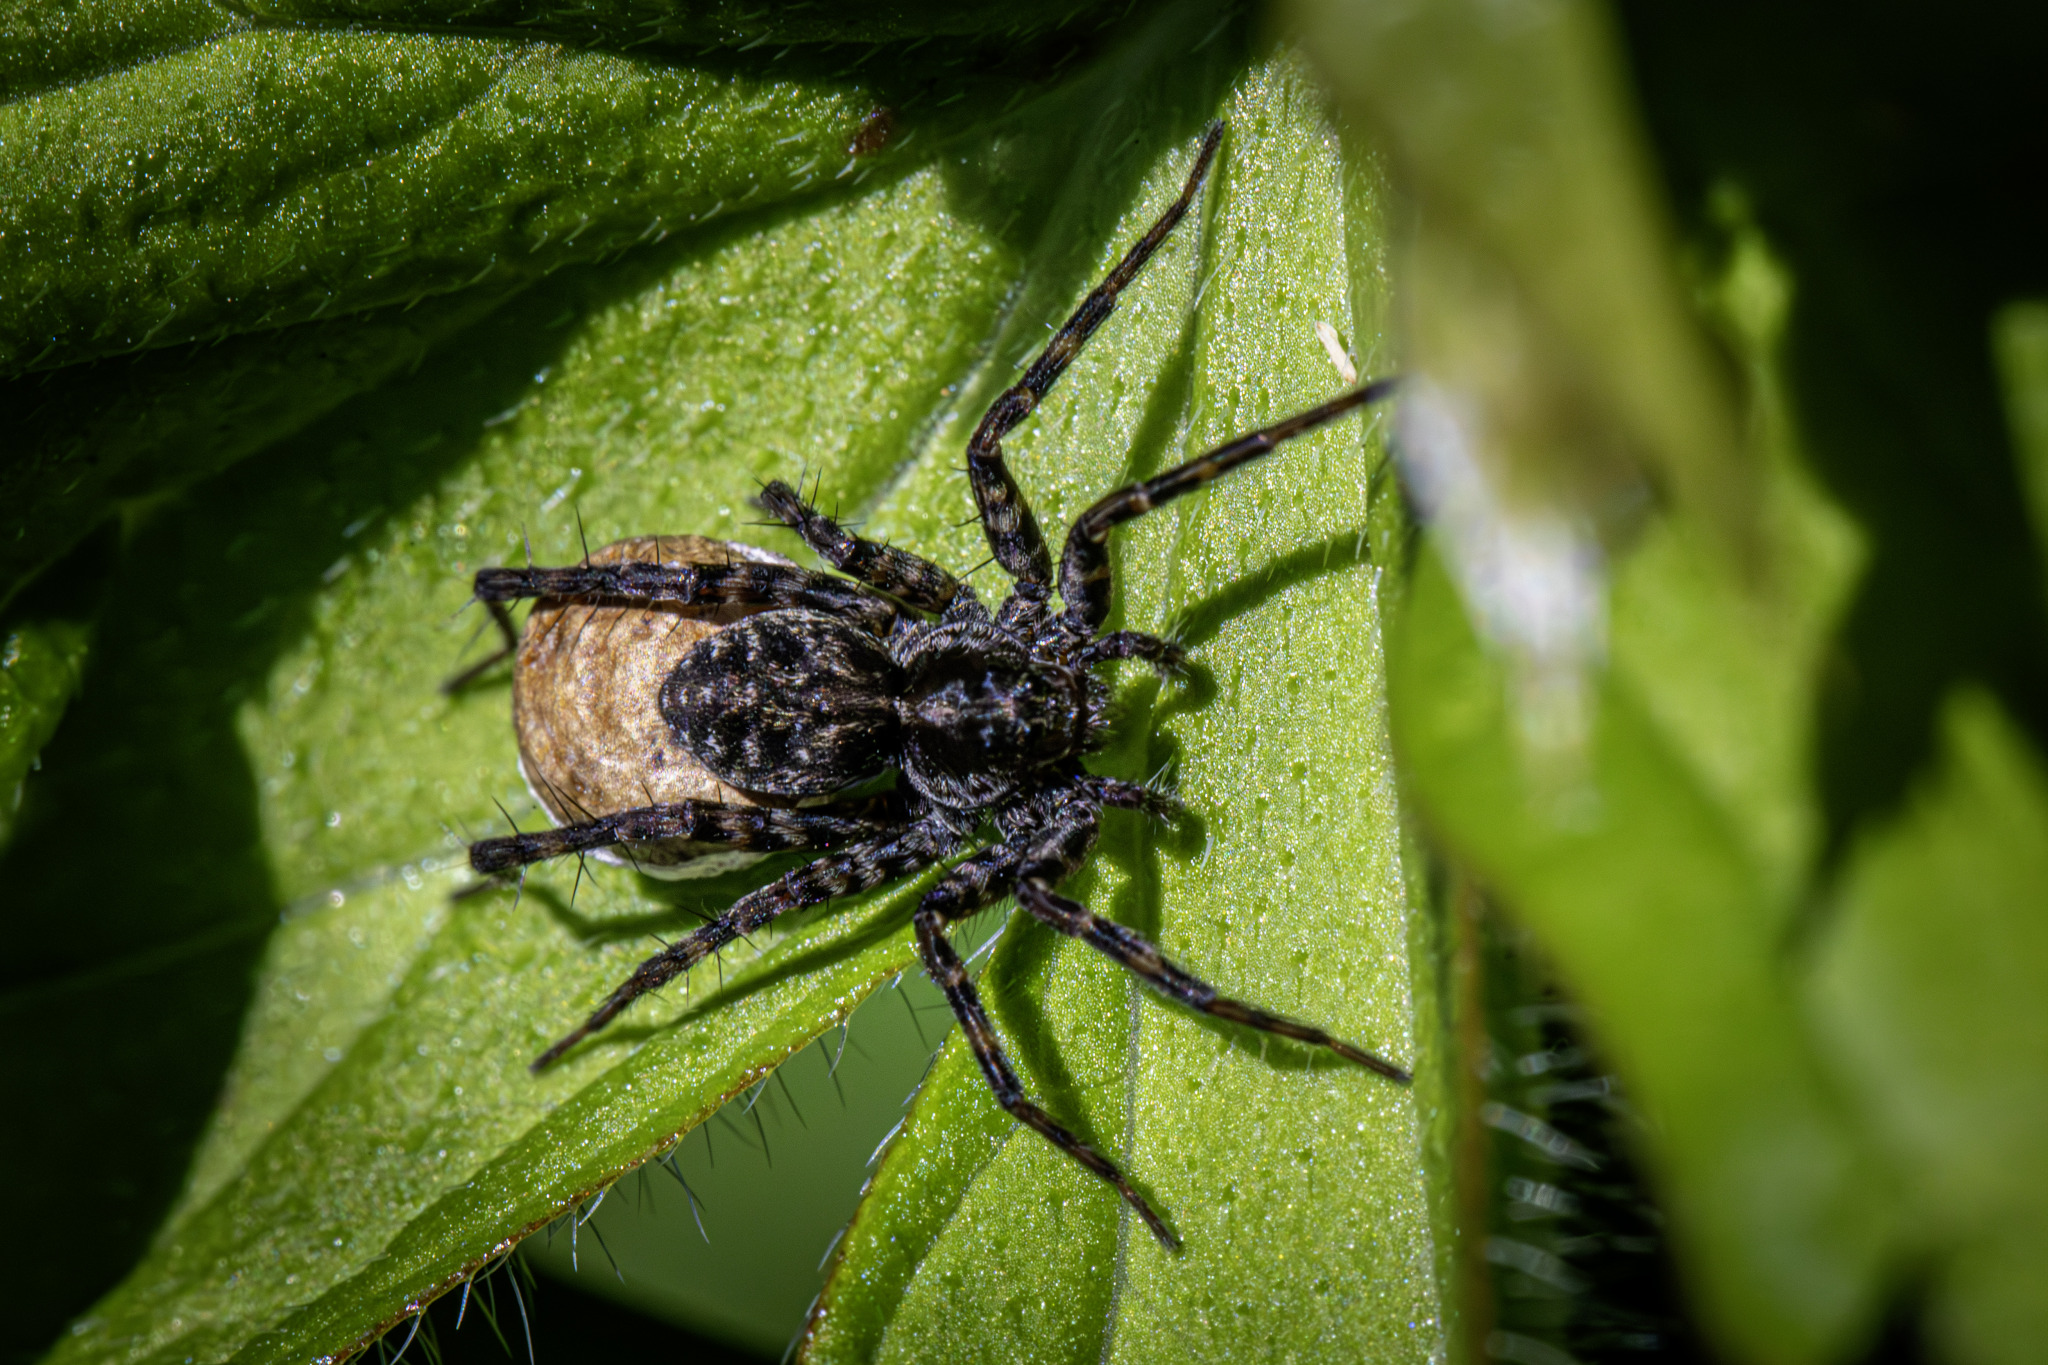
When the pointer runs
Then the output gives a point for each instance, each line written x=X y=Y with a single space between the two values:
x=824 y=683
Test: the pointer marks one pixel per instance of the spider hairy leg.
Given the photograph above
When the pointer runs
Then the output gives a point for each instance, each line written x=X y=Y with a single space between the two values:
x=1161 y=805
x=1165 y=656
x=969 y=887
x=975 y=884
x=906 y=577
x=755 y=829
x=1084 y=565
x=857 y=868
x=810 y=685
x=1013 y=534
x=508 y=636
x=636 y=582
x=1142 y=957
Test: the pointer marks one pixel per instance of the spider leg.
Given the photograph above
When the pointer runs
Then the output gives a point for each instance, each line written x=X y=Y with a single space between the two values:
x=1084 y=566
x=970 y=886
x=746 y=828
x=1051 y=861
x=1013 y=534
x=508 y=634
x=974 y=884
x=904 y=576
x=1165 y=656
x=739 y=584
x=858 y=867
x=1111 y=791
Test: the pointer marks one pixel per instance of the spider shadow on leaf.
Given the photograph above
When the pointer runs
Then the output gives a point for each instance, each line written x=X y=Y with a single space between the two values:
x=1200 y=622
x=805 y=944
x=856 y=926
x=692 y=903
x=685 y=904
x=1195 y=625
x=1014 y=984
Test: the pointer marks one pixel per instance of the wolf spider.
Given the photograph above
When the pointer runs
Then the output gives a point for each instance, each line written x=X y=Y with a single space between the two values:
x=899 y=665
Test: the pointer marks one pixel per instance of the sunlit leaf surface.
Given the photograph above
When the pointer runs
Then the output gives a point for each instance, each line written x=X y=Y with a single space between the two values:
x=1293 y=1180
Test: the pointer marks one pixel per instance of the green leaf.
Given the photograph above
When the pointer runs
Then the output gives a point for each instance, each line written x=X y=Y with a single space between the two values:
x=724 y=22
x=261 y=723
x=93 y=438
x=1925 y=984
x=169 y=172
x=2019 y=340
x=1640 y=692
x=1939 y=1023
x=201 y=175
x=1666 y=928
x=40 y=666
x=1618 y=744
x=264 y=178
x=1296 y=1182
x=1608 y=682
x=1539 y=261
x=289 y=735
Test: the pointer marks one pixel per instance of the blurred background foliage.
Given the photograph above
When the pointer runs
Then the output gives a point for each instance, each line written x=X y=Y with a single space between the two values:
x=1714 y=905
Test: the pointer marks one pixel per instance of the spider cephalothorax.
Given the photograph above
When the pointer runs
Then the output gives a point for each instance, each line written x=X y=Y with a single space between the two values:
x=899 y=667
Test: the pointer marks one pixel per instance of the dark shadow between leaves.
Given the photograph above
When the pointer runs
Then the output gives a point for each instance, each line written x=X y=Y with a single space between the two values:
x=149 y=766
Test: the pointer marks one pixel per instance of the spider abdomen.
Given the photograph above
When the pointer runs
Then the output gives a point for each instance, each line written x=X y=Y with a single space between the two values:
x=591 y=741
x=793 y=703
